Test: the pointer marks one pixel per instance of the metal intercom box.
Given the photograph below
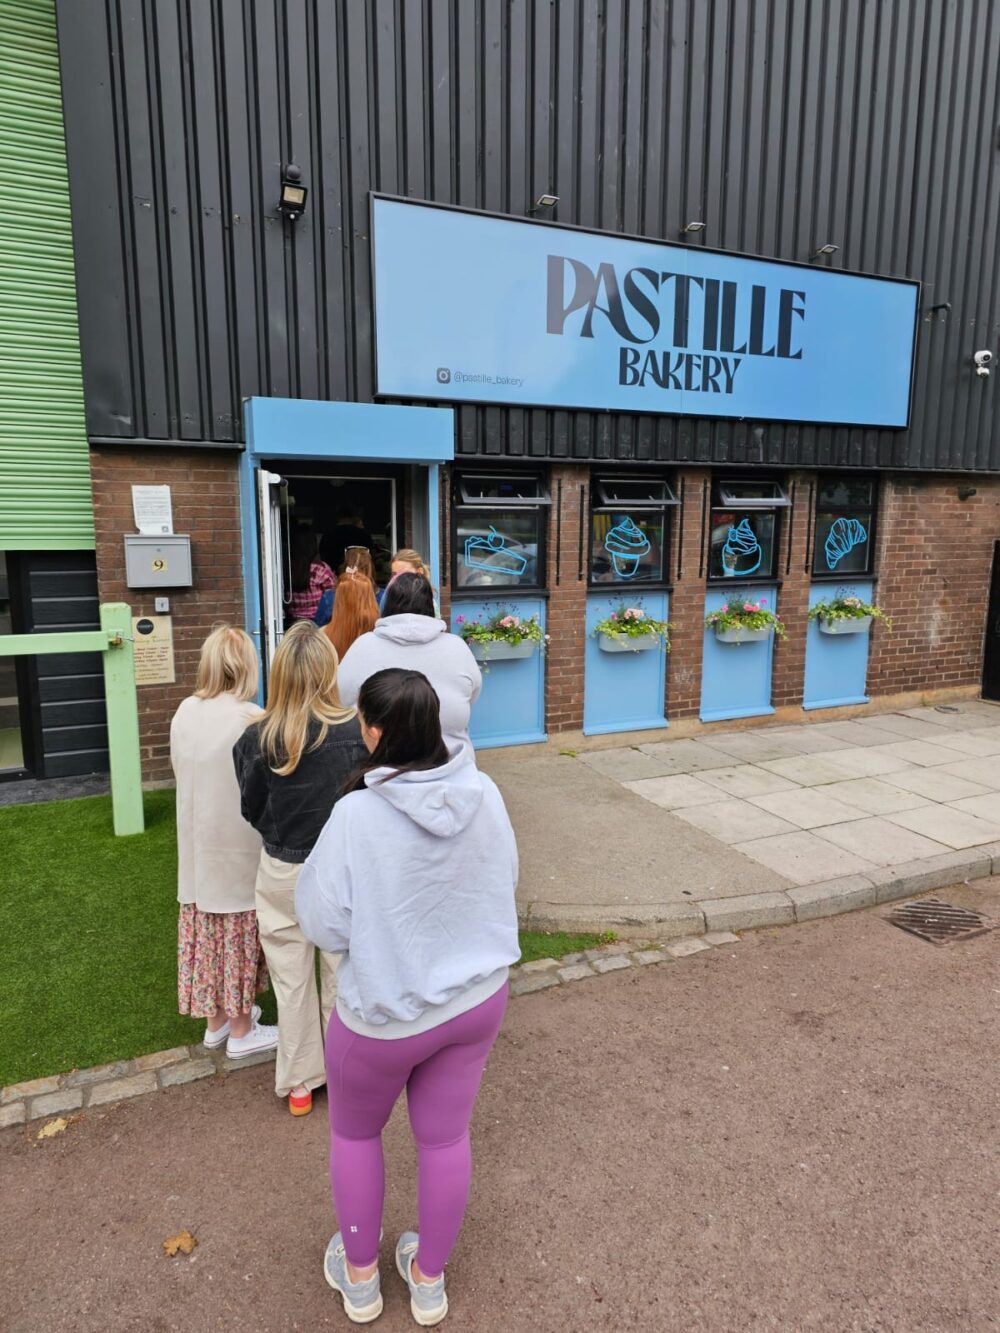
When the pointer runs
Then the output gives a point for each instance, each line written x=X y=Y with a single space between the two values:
x=158 y=562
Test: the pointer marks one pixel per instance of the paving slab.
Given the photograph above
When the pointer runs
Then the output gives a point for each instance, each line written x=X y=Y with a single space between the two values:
x=881 y=841
x=934 y=785
x=984 y=771
x=925 y=754
x=744 y=780
x=672 y=793
x=623 y=764
x=804 y=858
x=806 y=770
x=967 y=718
x=975 y=744
x=751 y=912
x=867 y=762
x=808 y=807
x=856 y=734
x=906 y=727
x=735 y=821
x=809 y=740
x=874 y=796
x=983 y=807
x=947 y=825
x=685 y=756
x=752 y=746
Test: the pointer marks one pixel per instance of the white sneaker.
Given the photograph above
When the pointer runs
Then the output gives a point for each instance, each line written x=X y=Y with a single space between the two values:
x=259 y=1038
x=213 y=1040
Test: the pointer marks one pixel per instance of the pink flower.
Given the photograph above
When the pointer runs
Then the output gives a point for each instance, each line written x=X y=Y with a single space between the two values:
x=629 y=613
x=638 y=612
x=750 y=606
x=460 y=620
x=763 y=601
x=614 y=615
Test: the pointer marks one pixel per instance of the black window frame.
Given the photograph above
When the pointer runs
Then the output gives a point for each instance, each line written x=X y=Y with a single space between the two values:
x=726 y=486
x=653 y=504
x=826 y=575
x=464 y=500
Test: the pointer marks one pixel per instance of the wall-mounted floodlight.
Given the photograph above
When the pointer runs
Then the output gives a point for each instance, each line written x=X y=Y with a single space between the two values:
x=544 y=201
x=822 y=250
x=692 y=228
x=292 y=200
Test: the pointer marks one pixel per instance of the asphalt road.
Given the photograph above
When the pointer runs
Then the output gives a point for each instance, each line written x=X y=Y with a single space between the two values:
x=796 y=1132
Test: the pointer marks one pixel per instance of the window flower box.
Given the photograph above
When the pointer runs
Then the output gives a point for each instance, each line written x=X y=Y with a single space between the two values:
x=503 y=637
x=741 y=634
x=499 y=650
x=743 y=621
x=847 y=615
x=636 y=643
x=854 y=625
x=628 y=629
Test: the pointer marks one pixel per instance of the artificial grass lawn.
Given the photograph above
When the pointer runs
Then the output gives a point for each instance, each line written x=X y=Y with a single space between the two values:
x=88 y=938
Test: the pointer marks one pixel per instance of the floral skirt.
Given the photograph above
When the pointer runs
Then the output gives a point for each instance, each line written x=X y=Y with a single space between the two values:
x=220 y=964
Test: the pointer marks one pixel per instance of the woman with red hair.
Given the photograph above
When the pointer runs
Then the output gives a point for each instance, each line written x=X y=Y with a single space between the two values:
x=355 y=611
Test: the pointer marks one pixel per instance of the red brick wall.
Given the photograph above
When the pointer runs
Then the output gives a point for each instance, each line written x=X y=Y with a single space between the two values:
x=205 y=494
x=567 y=609
x=935 y=557
x=687 y=601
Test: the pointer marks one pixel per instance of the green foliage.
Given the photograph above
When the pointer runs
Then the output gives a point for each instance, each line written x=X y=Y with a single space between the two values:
x=741 y=613
x=848 y=608
x=553 y=944
x=630 y=621
x=502 y=627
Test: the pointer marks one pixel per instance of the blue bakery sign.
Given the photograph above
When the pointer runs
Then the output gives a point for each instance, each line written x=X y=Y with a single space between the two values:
x=471 y=307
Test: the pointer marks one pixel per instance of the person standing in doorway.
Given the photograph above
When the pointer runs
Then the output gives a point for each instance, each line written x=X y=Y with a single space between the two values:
x=413 y=881
x=310 y=576
x=355 y=611
x=220 y=965
x=291 y=766
x=407 y=561
x=410 y=635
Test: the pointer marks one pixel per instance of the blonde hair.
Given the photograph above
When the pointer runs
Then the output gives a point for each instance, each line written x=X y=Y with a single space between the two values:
x=410 y=557
x=302 y=691
x=228 y=664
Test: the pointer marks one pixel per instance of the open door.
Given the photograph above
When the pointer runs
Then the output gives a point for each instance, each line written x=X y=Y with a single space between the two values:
x=274 y=560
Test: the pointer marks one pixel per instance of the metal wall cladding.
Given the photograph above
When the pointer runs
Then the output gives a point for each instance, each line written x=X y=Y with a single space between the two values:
x=45 y=499
x=871 y=124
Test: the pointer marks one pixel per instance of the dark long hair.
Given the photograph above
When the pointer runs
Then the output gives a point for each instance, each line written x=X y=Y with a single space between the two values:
x=303 y=555
x=408 y=594
x=404 y=704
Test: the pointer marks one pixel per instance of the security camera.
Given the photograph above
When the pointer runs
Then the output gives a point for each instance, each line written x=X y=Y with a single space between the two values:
x=983 y=360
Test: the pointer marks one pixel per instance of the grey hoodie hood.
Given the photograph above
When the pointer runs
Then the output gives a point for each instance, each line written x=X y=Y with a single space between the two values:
x=410 y=628
x=442 y=800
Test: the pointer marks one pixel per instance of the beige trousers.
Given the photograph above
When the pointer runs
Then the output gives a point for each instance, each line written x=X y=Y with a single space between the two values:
x=291 y=960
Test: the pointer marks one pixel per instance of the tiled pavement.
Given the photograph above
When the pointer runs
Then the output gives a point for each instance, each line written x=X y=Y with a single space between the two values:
x=826 y=801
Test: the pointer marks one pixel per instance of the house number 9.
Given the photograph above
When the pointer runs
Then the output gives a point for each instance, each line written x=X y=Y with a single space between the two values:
x=159 y=566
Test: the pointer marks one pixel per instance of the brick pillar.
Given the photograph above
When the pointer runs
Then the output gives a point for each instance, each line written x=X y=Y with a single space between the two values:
x=204 y=488
x=567 y=608
x=688 y=570
x=794 y=566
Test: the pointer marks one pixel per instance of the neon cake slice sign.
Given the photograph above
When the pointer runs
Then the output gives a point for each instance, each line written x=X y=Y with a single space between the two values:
x=493 y=554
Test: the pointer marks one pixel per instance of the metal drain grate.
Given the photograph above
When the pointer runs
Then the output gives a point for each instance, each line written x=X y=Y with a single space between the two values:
x=939 y=922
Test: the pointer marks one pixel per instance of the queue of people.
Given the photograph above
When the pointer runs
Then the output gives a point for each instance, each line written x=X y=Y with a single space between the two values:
x=348 y=817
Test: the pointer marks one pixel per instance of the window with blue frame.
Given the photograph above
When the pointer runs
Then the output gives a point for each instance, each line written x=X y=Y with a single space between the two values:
x=498 y=533
x=743 y=536
x=629 y=530
x=844 y=541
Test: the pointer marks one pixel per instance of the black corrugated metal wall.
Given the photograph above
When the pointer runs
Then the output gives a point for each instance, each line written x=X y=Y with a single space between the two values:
x=872 y=124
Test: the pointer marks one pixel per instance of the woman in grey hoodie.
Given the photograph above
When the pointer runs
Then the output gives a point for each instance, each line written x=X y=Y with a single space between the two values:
x=413 y=881
x=410 y=635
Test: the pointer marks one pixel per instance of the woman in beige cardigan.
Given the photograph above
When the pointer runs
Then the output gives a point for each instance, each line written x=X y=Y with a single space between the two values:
x=220 y=964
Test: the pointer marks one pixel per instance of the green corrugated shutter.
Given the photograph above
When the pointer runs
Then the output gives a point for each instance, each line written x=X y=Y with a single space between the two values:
x=45 y=499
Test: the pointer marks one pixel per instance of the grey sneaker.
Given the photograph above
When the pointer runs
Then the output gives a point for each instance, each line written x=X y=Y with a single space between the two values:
x=362 y=1300
x=428 y=1302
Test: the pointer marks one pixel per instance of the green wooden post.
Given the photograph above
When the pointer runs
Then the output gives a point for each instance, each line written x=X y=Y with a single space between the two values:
x=123 y=719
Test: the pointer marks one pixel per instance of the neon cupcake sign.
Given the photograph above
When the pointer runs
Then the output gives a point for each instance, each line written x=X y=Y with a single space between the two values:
x=626 y=544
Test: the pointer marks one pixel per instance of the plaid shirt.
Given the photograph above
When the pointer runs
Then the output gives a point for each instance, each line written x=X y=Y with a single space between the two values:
x=304 y=605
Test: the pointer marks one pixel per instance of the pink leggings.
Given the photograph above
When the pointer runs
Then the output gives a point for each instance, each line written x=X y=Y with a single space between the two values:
x=441 y=1071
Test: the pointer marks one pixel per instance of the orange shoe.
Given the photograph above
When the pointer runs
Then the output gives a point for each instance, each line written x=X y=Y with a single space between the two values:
x=300 y=1105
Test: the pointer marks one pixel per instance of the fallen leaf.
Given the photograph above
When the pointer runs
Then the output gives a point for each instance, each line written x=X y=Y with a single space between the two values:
x=182 y=1243
x=53 y=1128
